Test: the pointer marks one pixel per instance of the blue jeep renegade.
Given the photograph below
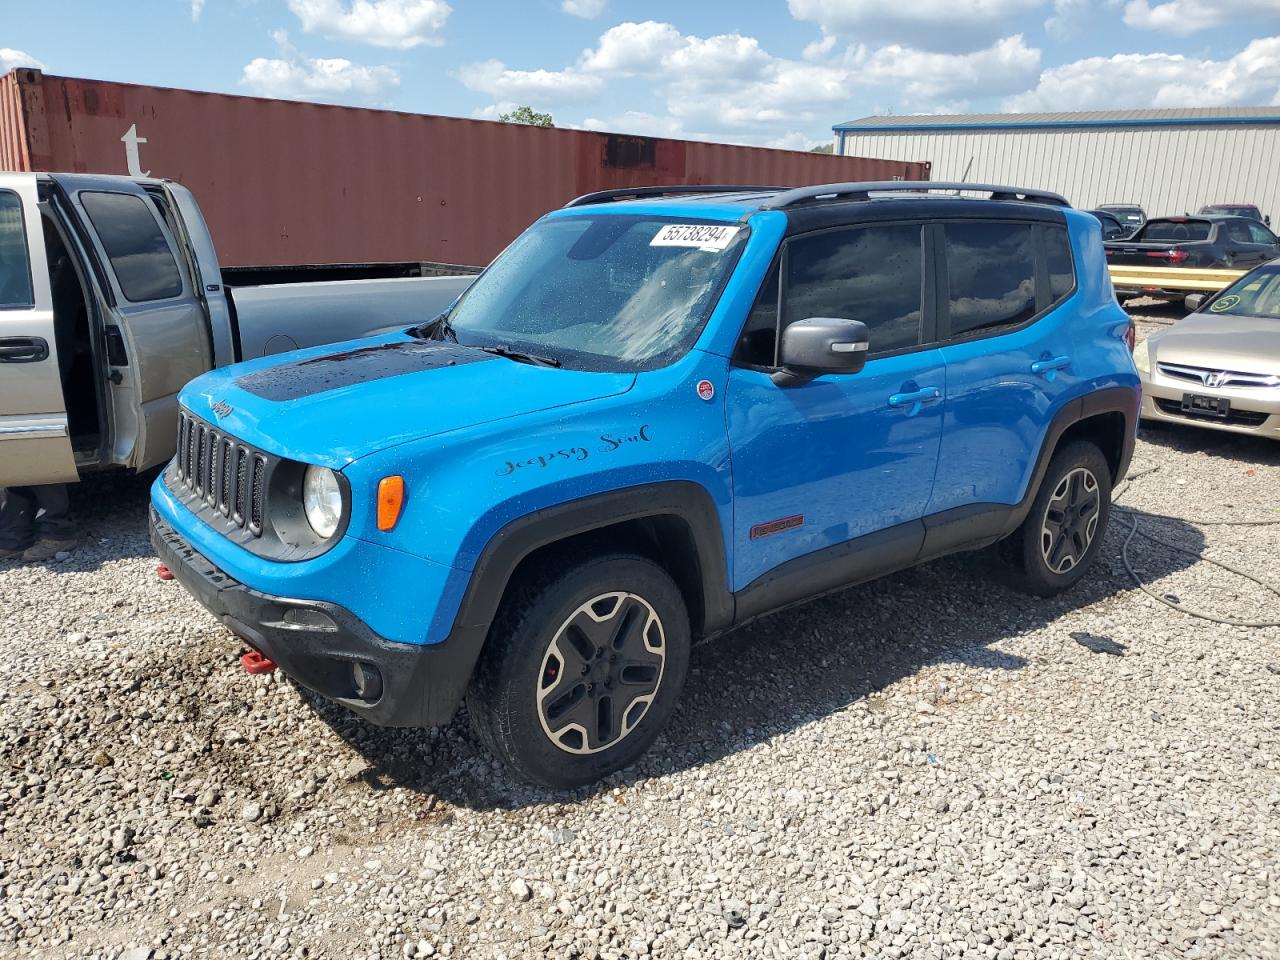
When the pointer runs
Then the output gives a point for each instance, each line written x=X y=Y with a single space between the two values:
x=658 y=414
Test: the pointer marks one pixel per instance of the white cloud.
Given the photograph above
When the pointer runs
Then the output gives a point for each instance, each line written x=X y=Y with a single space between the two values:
x=294 y=76
x=399 y=24
x=587 y=9
x=197 y=8
x=535 y=87
x=1133 y=80
x=11 y=59
x=731 y=85
x=1185 y=17
x=1007 y=66
x=631 y=48
x=1069 y=18
x=937 y=24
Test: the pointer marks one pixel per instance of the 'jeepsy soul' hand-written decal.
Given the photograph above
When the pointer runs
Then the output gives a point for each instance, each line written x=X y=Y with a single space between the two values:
x=609 y=443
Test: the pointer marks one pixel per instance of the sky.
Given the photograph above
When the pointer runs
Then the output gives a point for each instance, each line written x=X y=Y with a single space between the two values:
x=768 y=72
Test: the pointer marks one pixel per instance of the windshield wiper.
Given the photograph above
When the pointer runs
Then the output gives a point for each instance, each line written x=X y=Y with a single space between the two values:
x=520 y=357
x=438 y=329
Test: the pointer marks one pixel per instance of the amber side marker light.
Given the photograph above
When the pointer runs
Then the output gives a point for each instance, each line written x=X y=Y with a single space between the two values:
x=390 y=500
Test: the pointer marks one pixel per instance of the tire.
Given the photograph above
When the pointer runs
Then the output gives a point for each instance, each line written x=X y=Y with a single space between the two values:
x=582 y=670
x=1060 y=537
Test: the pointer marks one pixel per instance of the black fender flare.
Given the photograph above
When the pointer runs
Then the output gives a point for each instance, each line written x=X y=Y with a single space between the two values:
x=688 y=501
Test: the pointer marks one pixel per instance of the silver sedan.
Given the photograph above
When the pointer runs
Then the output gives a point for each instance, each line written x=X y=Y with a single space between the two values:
x=1220 y=367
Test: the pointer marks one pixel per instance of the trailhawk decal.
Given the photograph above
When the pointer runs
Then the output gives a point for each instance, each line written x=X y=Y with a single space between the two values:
x=776 y=526
x=700 y=236
x=609 y=442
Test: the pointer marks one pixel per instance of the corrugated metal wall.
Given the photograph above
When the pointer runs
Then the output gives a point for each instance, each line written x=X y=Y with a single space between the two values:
x=1166 y=169
x=282 y=182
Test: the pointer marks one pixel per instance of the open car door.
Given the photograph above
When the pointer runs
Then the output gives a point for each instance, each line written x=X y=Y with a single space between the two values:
x=35 y=442
x=156 y=330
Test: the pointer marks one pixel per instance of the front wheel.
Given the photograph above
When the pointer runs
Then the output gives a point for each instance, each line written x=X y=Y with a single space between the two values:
x=582 y=670
x=1062 y=533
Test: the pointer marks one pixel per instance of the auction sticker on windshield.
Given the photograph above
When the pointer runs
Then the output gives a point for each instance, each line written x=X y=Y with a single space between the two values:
x=702 y=236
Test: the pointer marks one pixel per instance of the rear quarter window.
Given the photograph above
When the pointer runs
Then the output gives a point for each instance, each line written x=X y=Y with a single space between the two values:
x=1062 y=271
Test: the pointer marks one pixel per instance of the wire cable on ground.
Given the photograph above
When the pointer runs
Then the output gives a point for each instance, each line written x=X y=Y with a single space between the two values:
x=1134 y=530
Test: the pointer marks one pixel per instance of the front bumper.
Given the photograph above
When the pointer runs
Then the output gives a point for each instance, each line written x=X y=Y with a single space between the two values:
x=316 y=643
x=1254 y=412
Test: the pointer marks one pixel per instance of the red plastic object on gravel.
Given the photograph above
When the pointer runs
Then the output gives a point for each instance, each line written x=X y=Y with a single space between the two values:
x=254 y=662
x=164 y=573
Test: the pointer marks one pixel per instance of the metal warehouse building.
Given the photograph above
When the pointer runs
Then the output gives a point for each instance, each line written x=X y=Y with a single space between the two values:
x=1169 y=161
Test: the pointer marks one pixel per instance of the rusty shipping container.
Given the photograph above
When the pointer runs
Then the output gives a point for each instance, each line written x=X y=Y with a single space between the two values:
x=284 y=182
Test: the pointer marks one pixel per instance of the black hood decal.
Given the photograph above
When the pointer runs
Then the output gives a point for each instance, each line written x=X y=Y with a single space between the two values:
x=305 y=378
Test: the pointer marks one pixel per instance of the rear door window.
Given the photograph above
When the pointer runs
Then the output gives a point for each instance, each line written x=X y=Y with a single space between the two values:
x=15 y=264
x=873 y=274
x=991 y=275
x=135 y=245
x=1238 y=232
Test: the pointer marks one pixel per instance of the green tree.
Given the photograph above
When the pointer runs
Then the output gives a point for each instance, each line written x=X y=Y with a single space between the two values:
x=823 y=148
x=527 y=116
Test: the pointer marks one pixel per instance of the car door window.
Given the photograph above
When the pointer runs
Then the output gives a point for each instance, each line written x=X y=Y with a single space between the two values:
x=135 y=245
x=1261 y=234
x=873 y=274
x=1238 y=232
x=991 y=276
x=15 y=266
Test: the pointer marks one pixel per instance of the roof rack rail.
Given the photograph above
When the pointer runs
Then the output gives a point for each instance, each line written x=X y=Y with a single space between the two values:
x=626 y=193
x=863 y=191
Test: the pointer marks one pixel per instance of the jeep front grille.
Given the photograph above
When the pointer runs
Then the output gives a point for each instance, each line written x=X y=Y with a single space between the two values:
x=224 y=473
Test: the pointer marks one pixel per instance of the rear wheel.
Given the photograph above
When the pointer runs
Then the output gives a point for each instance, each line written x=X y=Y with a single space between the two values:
x=1062 y=533
x=582 y=670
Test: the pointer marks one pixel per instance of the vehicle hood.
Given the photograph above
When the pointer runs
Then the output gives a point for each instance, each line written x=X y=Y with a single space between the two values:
x=1245 y=344
x=334 y=404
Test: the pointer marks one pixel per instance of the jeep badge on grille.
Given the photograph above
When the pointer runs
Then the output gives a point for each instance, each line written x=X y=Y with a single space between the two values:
x=222 y=408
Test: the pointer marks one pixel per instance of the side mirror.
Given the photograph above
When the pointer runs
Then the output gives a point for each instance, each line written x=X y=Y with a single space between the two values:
x=1193 y=301
x=1267 y=219
x=821 y=345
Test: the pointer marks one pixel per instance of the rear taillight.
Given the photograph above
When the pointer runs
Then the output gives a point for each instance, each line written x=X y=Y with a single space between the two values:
x=1169 y=256
x=1131 y=337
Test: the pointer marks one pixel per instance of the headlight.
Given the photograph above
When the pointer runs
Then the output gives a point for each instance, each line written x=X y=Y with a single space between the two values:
x=322 y=501
x=1142 y=357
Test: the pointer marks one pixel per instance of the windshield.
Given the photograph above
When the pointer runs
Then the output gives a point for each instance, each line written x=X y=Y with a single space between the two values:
x=606 y=292
x=1129 y=213
x=1183 y=231
x=1256 y=295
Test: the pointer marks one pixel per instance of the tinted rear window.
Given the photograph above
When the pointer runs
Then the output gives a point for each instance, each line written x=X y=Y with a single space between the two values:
x=1062 y=274
x=134 y=243
x=1183 y=231
x=991 y=271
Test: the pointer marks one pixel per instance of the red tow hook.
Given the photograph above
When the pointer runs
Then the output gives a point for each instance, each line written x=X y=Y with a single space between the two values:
x=255 y=663
x=164 y=573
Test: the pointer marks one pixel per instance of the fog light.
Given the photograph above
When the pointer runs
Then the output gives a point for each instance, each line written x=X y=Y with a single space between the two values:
x=305 y=618
x=367 y=679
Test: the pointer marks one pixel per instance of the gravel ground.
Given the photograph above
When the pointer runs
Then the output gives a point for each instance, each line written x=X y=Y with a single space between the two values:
x=926 y=766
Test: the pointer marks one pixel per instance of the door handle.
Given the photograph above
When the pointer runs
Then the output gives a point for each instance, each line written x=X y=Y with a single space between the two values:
x=23 y=349
x=915 y=399
x=1049 y=367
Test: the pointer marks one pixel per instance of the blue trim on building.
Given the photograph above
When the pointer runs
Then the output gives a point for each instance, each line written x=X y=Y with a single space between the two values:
x=1059 y=124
